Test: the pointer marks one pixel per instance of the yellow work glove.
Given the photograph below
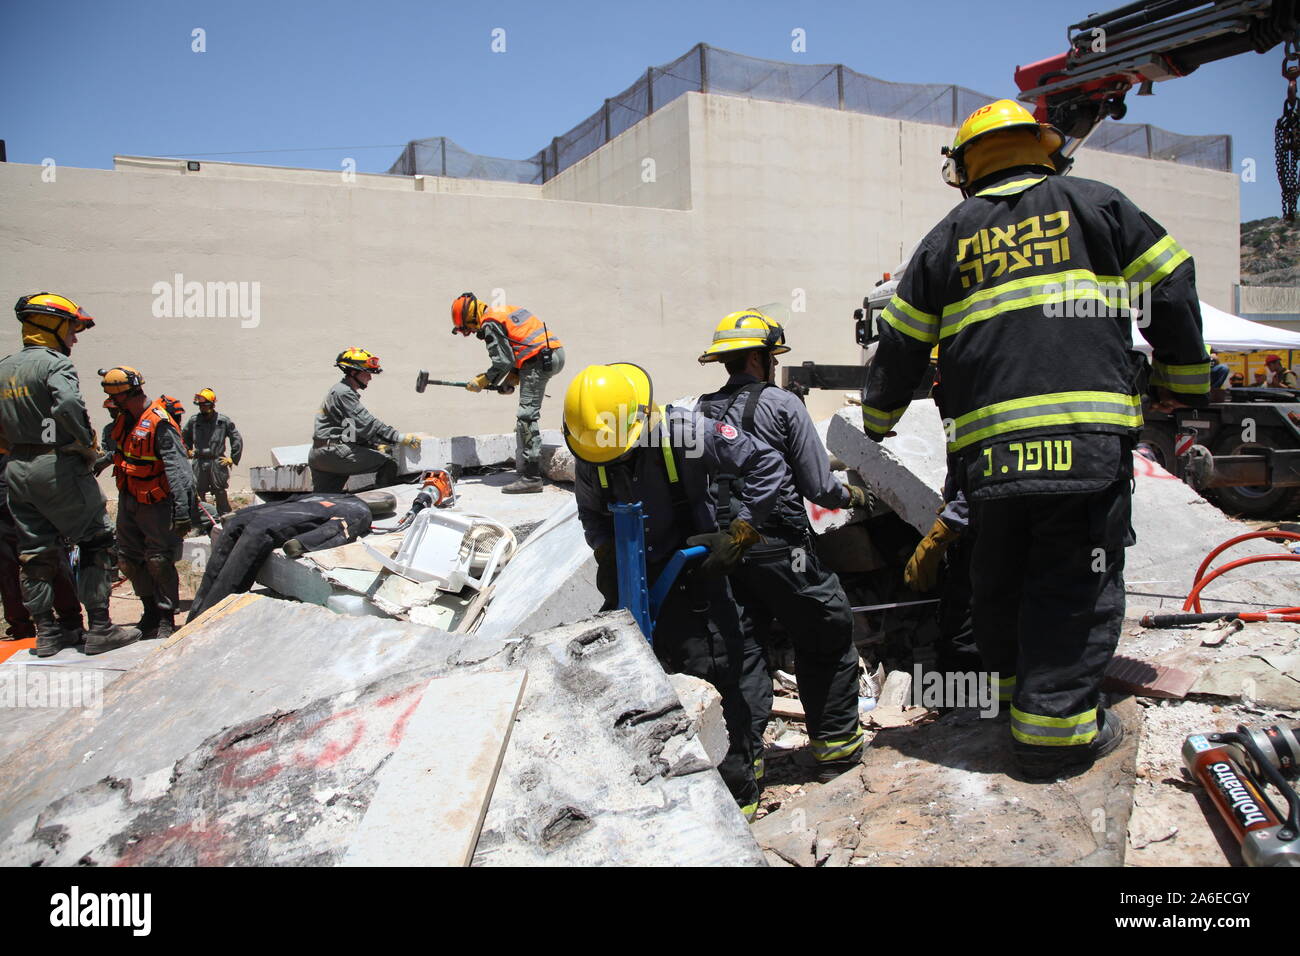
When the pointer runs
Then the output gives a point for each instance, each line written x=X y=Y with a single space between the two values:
x=477 y=383
x=189 y=452
x=227 y=461
x=726 y=548
x=860 y=497
x=922 y=572
x=411 y=440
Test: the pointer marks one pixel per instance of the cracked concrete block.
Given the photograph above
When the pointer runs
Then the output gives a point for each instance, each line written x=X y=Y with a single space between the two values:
x=906 y=472
x=256 y=733
x=703 y=706
x=558 y=463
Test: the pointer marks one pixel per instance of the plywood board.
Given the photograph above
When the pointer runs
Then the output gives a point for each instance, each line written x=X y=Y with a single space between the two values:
x=434 y=792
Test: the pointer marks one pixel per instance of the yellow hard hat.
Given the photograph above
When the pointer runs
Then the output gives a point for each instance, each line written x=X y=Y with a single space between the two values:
x=746 y=329
x=119 y=379
x=205 y=395
x=358 y=360
x=606 y=409
x=1004 y=114
x=992 y=118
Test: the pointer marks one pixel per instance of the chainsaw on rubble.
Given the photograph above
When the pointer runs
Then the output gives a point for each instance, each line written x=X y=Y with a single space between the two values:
x=436 y=491
x=422 y=381
x=1230 y=767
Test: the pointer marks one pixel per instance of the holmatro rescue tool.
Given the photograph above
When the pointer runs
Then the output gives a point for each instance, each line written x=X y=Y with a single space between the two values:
x=1229 y=766
x=436 y=491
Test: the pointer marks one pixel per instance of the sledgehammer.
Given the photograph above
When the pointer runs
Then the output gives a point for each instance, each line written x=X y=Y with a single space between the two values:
x=422 y=381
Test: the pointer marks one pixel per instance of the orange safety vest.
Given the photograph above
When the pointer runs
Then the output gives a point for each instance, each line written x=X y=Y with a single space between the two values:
x=528 y=335
x=136 y=466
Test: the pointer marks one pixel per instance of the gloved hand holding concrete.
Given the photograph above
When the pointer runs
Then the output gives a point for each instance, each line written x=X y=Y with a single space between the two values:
x=726 y=547
x=860 y=497
x=411 y=440
x=477 y=383
x=181 y=525
x=922 y=572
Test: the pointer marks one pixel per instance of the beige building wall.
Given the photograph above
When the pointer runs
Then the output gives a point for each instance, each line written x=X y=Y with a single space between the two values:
x=749 y=202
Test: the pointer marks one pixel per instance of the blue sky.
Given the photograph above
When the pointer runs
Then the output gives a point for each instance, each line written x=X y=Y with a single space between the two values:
x=80 y=81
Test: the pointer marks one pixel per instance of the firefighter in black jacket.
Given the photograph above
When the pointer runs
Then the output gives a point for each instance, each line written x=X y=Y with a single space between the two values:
x=781 y=577
x=1027 y=287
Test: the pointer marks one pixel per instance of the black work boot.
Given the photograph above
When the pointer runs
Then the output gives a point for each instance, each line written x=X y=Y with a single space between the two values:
x=528 y=482
x=74 y=630
x=166 y=627
x=50 y=637
x=1047 y=763
x=148 y=623
x=104 y=635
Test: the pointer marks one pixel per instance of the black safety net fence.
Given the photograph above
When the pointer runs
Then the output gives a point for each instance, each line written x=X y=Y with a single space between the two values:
x=707 y=69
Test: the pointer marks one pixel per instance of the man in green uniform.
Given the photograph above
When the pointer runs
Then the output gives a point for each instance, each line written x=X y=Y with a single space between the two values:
x=52 y=493
x=206 y=436
x=523 y=352
x=346 y=439
x=155 y=498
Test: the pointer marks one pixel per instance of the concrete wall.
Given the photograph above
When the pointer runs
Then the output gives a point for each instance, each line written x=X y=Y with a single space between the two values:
x=751 y=201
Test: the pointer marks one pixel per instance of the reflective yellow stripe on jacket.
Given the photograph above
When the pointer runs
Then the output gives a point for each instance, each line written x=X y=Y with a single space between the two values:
x=1040 y=291
x=910 y=320
x=1157 y=263
x=879 y=422
x=1184 y=379
x=1038 y=411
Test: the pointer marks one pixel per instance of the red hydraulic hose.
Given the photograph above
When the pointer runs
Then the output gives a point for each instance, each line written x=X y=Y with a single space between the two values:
x=1193 y=602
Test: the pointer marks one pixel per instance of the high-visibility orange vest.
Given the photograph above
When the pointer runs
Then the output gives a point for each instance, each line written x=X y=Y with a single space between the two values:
x=528 y=335
x=136 y=466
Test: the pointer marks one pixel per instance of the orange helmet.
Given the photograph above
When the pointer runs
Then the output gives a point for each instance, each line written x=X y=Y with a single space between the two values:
x=175 y=408
x=120 y=380
x=466 y=311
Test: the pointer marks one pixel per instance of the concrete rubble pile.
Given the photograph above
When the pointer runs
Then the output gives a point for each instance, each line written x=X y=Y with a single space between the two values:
x=259 y=734
x=518 y=726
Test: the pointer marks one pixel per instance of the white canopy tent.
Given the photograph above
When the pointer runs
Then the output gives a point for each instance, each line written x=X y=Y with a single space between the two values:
x=1231 y=333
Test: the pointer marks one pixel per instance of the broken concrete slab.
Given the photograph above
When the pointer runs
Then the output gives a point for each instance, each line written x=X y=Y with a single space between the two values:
x=583 y=777
x=946 y=794
x=551 y=579
x=703 y=706
x=1254 y=679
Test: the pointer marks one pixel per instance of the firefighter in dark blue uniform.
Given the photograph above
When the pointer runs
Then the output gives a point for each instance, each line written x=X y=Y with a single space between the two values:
x=1029 y=287
x=781 y=578
x=629 y=449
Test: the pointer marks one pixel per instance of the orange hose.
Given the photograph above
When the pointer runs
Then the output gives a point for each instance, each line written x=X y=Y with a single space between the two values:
x=1193 y=602
x=1237 y=540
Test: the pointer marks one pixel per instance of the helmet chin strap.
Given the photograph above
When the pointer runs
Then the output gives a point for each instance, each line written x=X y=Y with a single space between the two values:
x=351 y=375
